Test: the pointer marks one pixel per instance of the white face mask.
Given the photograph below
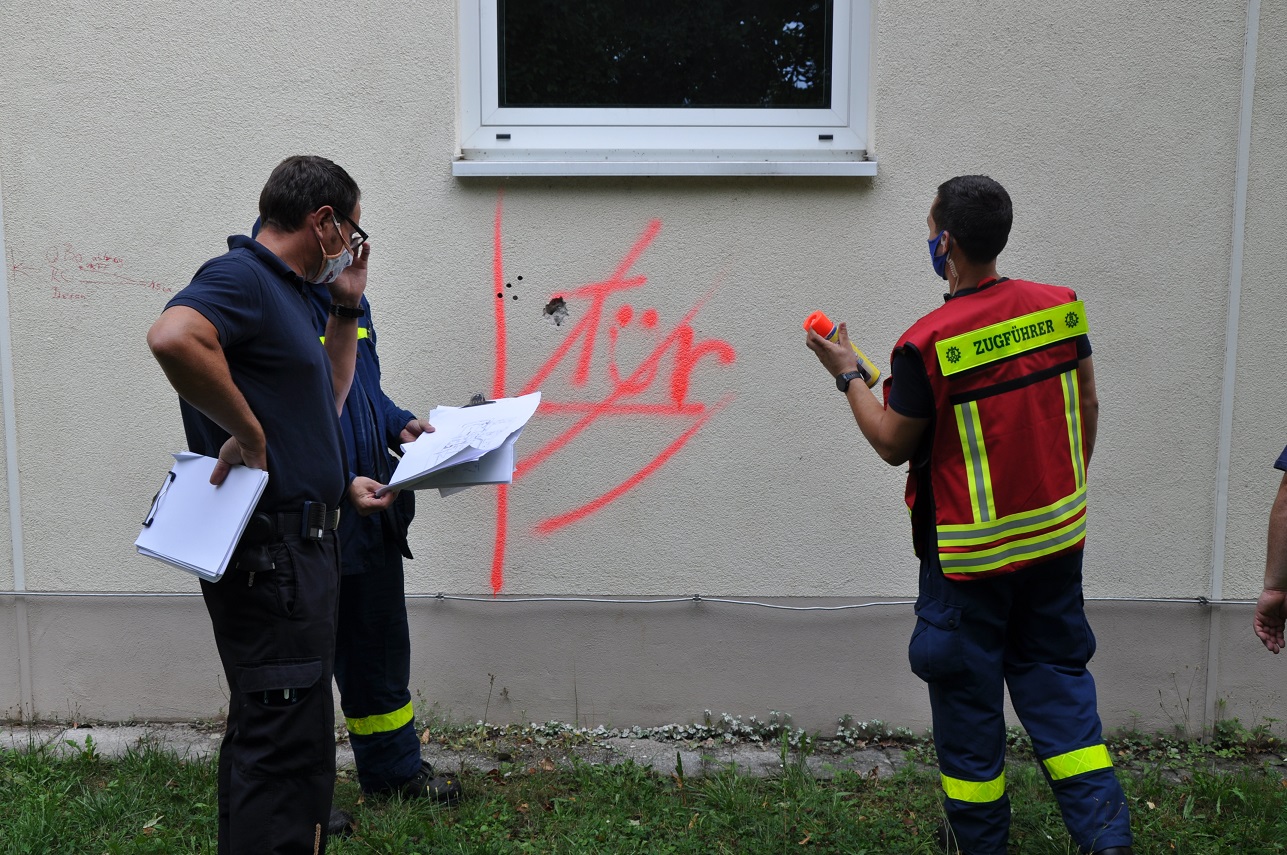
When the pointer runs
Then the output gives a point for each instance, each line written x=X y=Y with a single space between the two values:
x=333 y=265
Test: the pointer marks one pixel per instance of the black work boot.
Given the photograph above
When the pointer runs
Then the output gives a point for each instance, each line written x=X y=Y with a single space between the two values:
x=444 y=789
x=340 y=824
x=946 y=839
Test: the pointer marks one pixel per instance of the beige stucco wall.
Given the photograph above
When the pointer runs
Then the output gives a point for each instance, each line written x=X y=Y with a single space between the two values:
x=134 y=139
x=1258 y=436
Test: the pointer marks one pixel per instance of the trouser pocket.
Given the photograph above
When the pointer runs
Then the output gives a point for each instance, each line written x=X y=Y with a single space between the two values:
x=283 y=728
x=936 y=651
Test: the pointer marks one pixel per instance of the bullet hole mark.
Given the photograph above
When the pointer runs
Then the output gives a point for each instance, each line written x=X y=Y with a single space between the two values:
x=556 y=311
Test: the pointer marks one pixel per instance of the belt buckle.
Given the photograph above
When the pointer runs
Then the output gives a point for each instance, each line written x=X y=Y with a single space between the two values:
x=314 y=520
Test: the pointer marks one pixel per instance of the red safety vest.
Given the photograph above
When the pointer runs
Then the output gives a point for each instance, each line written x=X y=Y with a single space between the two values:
x=1004 y=483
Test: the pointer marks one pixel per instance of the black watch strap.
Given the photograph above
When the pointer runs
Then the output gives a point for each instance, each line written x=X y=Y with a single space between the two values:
x=347 y=311
x=843 y=380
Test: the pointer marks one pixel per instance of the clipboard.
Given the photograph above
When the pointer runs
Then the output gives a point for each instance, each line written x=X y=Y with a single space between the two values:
x=193 y=525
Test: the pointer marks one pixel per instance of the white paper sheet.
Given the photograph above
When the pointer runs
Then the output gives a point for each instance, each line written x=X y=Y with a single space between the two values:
x=461 y=437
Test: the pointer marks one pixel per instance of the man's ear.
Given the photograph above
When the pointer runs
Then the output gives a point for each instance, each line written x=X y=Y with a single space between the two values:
x=945 y=243
x=321 y=218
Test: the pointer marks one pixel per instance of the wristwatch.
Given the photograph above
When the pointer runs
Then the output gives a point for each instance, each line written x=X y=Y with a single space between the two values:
x=347 y=311
x=843 y=380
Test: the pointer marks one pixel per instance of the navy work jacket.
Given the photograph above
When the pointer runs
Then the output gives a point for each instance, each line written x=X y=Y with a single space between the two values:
x=371 y=424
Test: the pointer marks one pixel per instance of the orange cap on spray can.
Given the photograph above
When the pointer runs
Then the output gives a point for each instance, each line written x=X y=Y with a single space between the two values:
x=822 y=325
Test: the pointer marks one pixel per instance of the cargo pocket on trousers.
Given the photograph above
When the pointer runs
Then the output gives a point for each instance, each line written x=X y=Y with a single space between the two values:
x=936 y=651
x=282 y=729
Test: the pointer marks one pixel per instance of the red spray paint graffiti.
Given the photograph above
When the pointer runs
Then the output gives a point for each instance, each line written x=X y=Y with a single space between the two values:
x=679 y=343
x=73 y=275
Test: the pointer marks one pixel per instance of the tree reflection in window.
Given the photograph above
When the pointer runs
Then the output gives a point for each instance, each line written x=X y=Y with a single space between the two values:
x=759 y=54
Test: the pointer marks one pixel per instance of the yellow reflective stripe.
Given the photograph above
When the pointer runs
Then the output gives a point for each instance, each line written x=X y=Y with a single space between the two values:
x=974 y=791
x=380 y=723
x=1083 y=760
x=976 y=461
x=363 y=332
x=1072 y=413
x=966 y=534
x=1026 y=549
x=1011 y=338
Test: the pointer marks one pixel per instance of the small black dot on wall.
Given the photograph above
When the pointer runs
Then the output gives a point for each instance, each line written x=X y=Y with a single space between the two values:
x=520 y=279
x=499 y=295
x=515 y=296
x=509 y=284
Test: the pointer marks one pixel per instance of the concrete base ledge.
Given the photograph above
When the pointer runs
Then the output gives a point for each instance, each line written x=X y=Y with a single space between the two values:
x=621 y=665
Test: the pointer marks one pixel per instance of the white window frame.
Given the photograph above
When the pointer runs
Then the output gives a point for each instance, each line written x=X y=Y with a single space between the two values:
x=504 y=141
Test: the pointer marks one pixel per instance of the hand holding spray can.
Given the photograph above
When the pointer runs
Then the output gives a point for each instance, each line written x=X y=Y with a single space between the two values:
x=822 y=325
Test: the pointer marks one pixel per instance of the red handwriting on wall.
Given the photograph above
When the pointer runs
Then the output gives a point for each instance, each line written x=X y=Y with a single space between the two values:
x=73 y=275
x=657 y=387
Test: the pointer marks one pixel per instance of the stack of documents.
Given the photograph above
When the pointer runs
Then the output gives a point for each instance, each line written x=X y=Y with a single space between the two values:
x=195 y=525
x=470 y=445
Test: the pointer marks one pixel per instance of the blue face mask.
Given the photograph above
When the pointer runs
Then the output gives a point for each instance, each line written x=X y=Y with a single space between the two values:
x=939 y=261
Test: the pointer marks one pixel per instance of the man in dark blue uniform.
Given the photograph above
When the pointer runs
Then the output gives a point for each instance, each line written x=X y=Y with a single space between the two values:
x=240 y=347
x=373 y=644
x=1023 y=628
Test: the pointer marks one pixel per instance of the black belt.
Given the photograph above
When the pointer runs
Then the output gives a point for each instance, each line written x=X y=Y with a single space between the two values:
x=312 y=522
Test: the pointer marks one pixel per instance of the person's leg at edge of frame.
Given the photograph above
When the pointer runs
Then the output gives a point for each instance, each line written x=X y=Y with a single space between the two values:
x=1053 y=693
x=956 y=650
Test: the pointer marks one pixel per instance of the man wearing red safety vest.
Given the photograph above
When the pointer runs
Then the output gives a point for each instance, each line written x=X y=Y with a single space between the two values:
x=992 y=401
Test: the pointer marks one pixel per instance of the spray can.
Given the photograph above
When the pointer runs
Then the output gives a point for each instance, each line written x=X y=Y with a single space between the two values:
x=822 y=325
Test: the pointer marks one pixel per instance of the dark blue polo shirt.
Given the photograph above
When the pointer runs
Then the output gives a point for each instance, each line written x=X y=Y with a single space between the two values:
x=262 y=313
x=1282 y=461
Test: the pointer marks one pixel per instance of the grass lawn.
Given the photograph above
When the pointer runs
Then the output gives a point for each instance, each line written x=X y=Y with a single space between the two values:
x=1185 y=797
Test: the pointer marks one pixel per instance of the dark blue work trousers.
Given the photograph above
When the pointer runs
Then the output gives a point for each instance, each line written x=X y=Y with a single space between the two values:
x=373 y=671
x=1027 y=631
x=275 y=631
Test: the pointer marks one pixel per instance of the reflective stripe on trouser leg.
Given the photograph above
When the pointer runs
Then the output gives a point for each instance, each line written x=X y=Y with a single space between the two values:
x=371 y=724
x=978 y=813
x=1088 y=759
x=1090 y=798
x=976 y=792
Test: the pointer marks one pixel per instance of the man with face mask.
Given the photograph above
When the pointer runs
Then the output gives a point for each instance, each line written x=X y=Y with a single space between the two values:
x=258 y=389
x=373 y=644
x=992 y=399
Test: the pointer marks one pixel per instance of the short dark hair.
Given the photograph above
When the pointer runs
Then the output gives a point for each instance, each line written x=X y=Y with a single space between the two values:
x=976 y=212
x=300 y=185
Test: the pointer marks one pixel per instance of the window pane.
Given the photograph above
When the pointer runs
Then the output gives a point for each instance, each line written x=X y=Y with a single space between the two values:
x=758 y=54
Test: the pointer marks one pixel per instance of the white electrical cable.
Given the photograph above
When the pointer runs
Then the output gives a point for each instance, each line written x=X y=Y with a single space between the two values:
x=694 y=598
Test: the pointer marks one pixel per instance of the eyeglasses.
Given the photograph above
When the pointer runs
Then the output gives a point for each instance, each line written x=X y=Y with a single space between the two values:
x=358 y=237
